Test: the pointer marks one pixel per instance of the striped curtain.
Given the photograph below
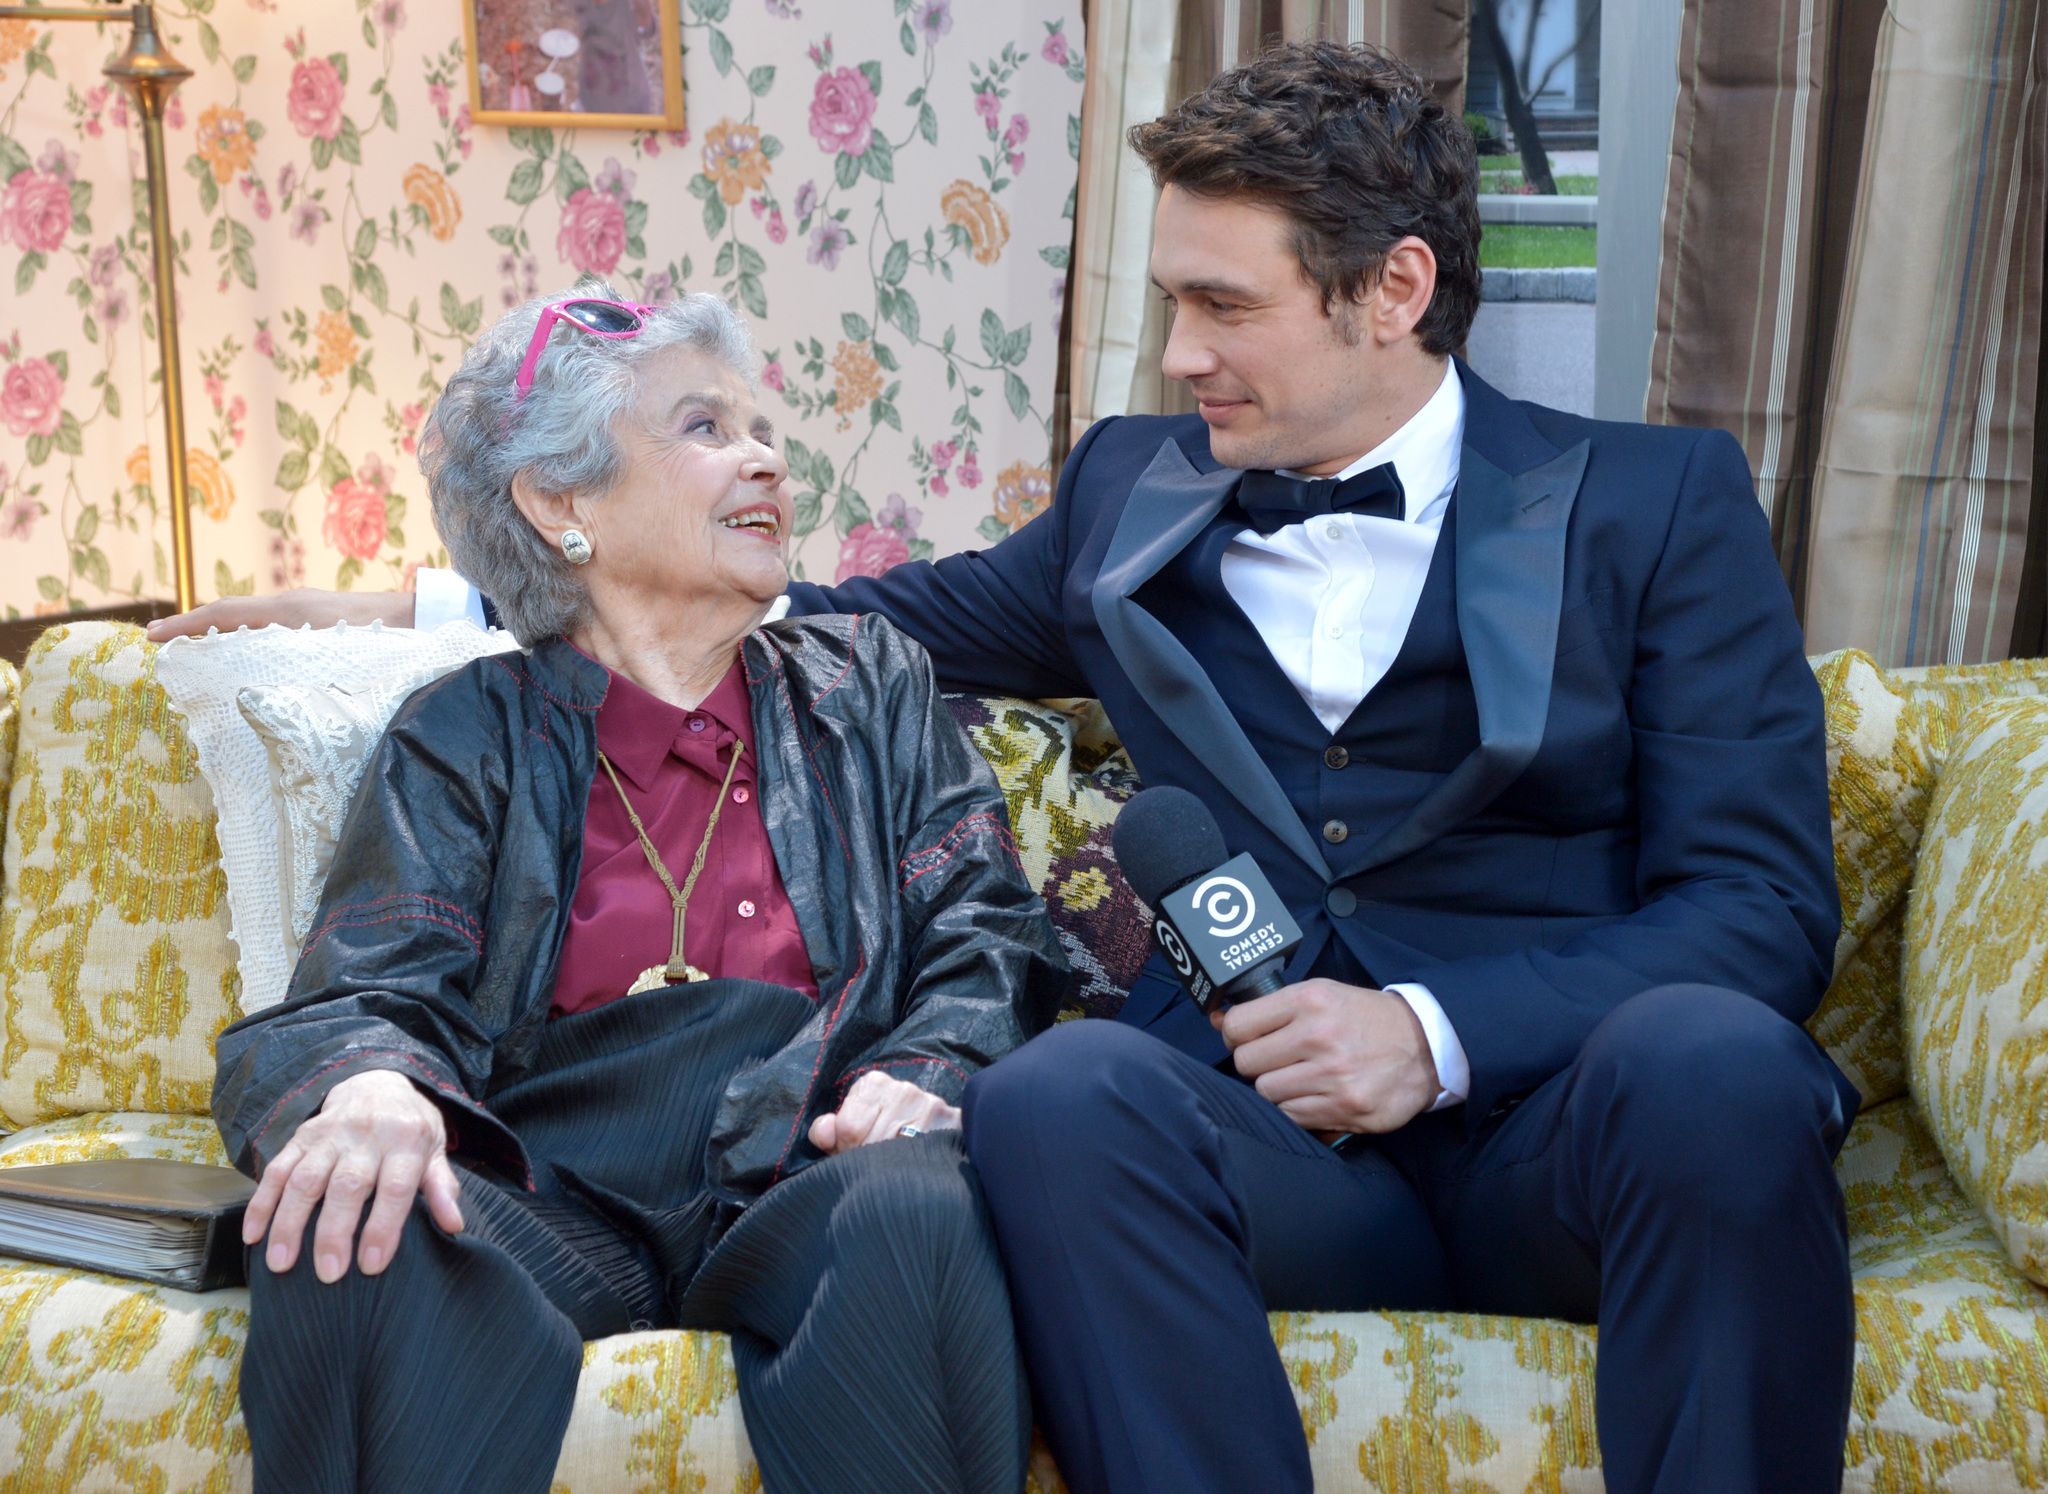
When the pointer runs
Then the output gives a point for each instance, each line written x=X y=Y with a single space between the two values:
x=1144 y=56
x=1851 y=282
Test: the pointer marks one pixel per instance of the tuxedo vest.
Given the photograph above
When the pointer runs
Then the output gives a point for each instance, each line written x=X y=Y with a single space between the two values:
x=1411 y=730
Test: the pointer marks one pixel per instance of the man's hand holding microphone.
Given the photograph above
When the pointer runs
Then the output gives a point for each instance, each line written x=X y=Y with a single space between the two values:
x=1336 y=1059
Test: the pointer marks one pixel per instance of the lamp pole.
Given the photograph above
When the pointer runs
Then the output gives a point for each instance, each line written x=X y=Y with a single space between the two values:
x=151 y=74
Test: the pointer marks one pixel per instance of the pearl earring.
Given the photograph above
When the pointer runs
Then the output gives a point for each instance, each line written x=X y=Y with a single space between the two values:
x=576 y=547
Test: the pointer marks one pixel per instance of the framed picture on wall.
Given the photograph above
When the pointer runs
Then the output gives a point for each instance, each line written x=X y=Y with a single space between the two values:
x=575 y=63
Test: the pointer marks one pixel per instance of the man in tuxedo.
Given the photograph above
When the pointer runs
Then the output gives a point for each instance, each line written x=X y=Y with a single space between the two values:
x=1510 y=706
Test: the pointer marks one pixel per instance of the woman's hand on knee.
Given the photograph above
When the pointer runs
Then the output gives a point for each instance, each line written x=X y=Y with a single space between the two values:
x=376 y=1140
x=876 y=1109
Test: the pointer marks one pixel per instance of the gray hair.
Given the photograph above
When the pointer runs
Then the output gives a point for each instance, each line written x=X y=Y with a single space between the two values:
x=560 y=437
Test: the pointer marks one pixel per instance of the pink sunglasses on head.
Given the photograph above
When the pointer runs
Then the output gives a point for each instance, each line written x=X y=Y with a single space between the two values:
x=615 y=320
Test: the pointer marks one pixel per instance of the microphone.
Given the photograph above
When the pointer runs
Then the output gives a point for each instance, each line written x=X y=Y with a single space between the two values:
x=1217 y=919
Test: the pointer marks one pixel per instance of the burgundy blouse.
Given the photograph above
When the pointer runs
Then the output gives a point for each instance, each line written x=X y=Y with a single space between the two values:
x=672 y=762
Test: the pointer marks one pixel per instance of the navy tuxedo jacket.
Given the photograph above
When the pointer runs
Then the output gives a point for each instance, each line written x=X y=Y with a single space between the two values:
x=1646 y=800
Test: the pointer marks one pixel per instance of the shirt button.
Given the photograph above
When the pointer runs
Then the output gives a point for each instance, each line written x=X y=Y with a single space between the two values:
x=746 y=910
x=696 y=723
x=1336 y=757
x=1334 y=530
x=1336 y=832
x=1335 y=630
x=740 y=795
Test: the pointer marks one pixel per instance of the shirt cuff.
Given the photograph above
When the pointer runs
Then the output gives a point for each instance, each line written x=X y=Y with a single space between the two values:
x=1453 y=1070
x=440 y=596
x=777 y=609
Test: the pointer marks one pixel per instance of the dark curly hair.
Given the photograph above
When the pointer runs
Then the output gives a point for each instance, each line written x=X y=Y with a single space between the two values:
x=1350 y=144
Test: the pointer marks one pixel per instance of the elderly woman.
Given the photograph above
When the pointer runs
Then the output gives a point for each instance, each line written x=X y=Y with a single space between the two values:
x=652 y=966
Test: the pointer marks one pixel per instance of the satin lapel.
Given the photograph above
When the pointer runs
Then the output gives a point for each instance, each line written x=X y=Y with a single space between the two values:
x=1168 y=507
x=1510 y=558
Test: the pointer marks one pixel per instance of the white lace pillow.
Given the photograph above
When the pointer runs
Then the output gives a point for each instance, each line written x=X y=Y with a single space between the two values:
x=318 y=739
x=283 y=722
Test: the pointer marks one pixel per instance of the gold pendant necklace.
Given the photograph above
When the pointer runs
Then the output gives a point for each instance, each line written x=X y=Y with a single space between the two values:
x=677 y=968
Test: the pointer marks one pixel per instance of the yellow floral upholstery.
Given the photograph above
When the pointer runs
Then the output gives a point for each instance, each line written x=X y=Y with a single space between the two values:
x=1065 y=776
x=1953 y=690
x=1977 y=1020
x=114 y=1134
x=1888 y=735
x=115 y=1386
x=115 y=966
x=1951 y=1342
x=108 y=1385
x=1879 y=777
x=10 y=724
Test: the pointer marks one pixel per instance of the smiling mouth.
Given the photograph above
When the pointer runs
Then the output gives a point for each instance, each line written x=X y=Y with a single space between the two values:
x=758 y=521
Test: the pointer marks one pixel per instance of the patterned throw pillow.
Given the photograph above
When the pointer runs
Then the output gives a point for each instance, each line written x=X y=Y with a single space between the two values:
x=1952 y=690
x=1879 y=778
x=1066 y=776
x=116 y=973
x=1976 y=997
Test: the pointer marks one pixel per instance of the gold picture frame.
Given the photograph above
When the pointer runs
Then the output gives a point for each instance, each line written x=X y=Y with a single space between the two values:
x=545 y=77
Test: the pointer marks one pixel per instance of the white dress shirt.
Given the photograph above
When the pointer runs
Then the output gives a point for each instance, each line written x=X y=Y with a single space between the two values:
x=1332 y=598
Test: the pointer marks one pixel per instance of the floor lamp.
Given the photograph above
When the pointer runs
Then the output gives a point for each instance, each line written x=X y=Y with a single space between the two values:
x=149 y=72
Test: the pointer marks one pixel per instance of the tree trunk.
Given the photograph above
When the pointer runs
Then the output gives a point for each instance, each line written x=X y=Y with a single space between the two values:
x=1521 y=118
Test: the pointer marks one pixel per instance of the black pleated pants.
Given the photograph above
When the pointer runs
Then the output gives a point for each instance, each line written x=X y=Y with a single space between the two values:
x=870 y=1324
x=1675 y=1184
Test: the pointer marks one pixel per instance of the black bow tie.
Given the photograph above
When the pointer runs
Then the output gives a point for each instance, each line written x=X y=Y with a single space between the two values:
x=1272 y=502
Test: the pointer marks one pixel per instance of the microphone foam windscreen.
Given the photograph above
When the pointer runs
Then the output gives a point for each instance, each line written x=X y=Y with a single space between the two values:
x=1164 y=837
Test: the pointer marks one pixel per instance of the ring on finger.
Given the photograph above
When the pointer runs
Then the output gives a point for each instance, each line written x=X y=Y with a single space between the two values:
x=909 y=1132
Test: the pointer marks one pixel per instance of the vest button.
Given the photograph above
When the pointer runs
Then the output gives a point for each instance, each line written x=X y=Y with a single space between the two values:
x=1336 y=757
x=1341 y=901
x=1336 y=832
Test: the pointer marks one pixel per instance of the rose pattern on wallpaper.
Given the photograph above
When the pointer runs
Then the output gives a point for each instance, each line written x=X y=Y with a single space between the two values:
x=869 y=183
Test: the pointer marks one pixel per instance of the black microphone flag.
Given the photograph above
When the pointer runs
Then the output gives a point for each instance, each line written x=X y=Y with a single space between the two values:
x=1227 y=934
x=1219 y=922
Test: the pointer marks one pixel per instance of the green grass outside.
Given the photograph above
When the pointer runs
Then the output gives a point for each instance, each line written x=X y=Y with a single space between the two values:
x=1528 y=246
x=1567 y=186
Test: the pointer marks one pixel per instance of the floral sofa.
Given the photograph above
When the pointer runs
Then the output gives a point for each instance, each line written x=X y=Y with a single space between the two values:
x=116 y=973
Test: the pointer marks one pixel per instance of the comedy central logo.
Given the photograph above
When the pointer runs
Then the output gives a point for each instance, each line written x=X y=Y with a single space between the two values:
x=1229 y=903
x=1169 y=941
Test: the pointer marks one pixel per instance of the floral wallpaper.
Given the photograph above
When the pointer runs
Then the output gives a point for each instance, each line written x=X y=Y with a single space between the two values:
x=884 y=187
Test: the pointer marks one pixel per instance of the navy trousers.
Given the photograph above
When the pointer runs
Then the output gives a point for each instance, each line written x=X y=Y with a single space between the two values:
x=1675 y=1185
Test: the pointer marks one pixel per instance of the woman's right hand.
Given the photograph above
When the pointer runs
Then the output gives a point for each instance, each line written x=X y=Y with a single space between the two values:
x=376 y=1136
x=302 y=607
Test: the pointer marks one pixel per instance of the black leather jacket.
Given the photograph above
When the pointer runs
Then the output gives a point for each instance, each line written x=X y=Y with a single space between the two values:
x=435 y=949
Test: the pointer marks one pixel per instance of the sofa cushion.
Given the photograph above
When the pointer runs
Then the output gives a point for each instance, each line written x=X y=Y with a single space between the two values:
x=1951 y=1358
x=113 y=1385
x=115 y=968
x=1951 y=1384
x=1976 y=981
